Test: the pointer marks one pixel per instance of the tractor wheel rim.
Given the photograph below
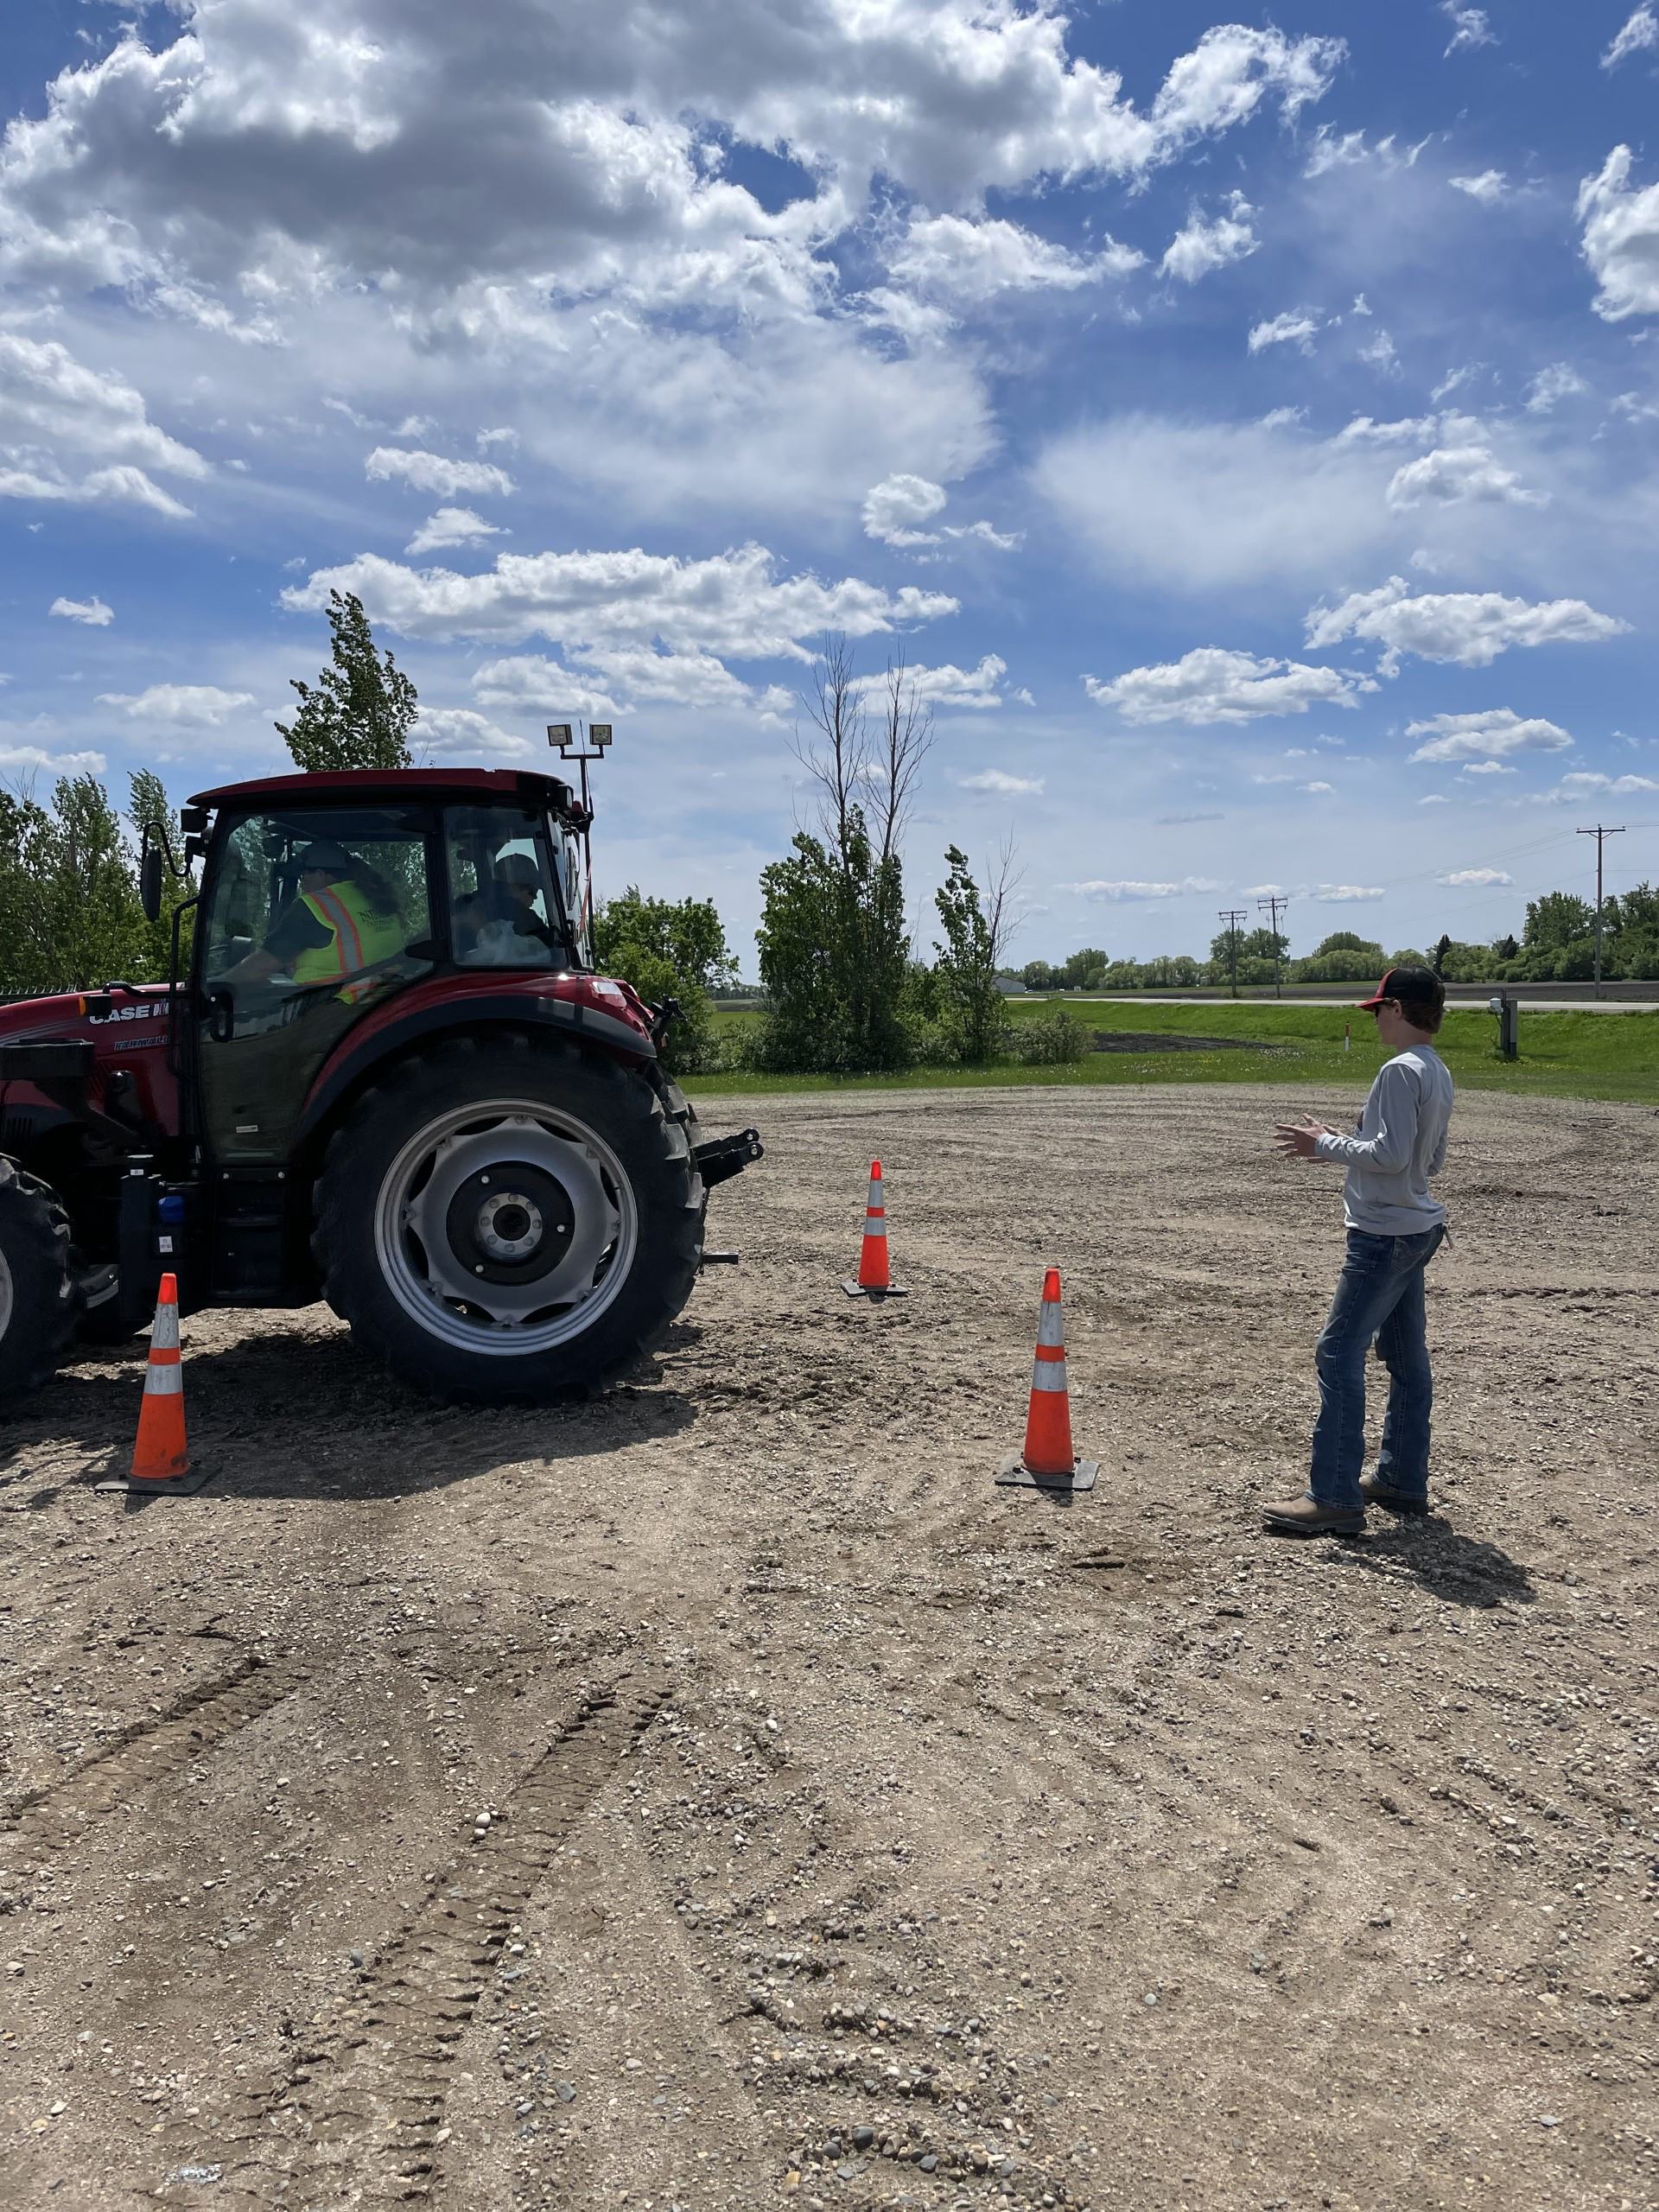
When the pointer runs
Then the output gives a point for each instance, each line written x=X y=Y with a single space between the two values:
x=5 y=1295
x=505 y=1227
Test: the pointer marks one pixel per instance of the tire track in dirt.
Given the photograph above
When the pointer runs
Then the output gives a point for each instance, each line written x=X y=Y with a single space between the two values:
x=43 y=1822
x=356 y=2115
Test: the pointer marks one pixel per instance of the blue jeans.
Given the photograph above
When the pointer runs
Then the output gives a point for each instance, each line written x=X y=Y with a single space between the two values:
x=1380 y=1294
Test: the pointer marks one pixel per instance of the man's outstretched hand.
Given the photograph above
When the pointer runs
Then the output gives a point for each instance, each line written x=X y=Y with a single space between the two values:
x=1299 y=1140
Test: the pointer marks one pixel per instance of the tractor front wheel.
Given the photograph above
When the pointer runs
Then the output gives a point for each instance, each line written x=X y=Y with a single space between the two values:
x=37 y=1292
x=507 y=1221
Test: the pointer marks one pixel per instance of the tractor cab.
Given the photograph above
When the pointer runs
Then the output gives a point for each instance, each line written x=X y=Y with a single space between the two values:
x=386 y=1076
x=320 y=908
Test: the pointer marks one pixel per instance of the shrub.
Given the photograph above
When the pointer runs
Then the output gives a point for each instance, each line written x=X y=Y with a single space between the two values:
x=1051 y=1040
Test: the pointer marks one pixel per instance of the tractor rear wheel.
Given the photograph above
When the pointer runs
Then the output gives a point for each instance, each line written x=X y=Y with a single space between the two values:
x=37 y=1291
x=506 y=1221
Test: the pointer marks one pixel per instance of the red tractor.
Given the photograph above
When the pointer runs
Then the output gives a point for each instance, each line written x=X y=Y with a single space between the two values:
x=390 y=1079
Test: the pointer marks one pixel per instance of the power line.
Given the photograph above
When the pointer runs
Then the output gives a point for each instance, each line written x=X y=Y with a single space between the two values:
x=1233 y=916
x=1601 y=836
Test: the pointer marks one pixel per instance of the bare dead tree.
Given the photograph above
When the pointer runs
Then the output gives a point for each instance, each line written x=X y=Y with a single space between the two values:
x=903 y=744
x=1003 y=881
x=838 y=759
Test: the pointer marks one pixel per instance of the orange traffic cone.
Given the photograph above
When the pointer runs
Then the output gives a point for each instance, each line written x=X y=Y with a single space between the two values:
x=1048 y=1461
x=160 y=1458
x=874 y=1279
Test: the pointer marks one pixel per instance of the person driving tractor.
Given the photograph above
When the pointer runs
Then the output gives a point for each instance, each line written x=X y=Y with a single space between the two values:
x=500 y=925
x=344 y=919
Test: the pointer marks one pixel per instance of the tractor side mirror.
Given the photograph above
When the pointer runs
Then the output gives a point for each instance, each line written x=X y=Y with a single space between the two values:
x=149 y=881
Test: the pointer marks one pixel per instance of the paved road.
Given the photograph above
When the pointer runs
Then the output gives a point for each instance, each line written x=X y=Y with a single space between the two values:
x=1527 y=1006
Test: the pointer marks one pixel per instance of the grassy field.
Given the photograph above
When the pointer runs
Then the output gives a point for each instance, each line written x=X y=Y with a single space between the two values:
x=1562 y=1055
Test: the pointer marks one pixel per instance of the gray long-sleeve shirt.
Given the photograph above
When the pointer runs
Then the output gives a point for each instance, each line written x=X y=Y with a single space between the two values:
x=1399 y=1142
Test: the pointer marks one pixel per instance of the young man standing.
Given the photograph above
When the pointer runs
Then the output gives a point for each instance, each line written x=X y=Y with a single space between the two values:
x=1395 y=1229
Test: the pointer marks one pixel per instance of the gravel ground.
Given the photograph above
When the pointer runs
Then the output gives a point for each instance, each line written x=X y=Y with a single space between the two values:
x=720 y=1795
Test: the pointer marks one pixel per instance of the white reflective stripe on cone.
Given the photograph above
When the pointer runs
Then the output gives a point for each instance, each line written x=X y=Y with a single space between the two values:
x=164 y=1383
x=164 y=1332
x=1048 y=1375
x=1050 y=1327
x=876 y=1227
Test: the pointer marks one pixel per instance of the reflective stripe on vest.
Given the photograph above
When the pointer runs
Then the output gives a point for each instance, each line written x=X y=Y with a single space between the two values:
x=357 y=935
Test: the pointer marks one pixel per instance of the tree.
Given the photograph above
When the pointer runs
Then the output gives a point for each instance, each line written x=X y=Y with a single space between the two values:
x=1343 y=957
x=1556 y=921
x=668 y=951
x=834 y=946
x=1086 y=970
x=1441 y=952
x=70 y=914
x=360 y=712
x=1038 y=976
x=976 y=930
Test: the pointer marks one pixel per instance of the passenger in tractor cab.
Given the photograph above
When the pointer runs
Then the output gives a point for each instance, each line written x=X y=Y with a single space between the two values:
x=500 y=927
x=344 y=920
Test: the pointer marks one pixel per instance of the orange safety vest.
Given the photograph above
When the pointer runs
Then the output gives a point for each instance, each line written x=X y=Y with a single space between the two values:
x=360 y=934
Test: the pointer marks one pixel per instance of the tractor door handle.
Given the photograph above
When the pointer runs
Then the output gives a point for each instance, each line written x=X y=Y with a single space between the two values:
x=221 y=1017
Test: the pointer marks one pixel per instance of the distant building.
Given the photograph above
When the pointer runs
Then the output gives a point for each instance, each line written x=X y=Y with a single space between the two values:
x=1012 y=987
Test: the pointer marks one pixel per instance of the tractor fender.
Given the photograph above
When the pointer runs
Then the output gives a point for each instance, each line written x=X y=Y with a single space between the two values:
x=349 y=1069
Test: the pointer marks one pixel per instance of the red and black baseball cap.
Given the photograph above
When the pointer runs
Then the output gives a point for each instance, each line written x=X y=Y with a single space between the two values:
x=1410 y=987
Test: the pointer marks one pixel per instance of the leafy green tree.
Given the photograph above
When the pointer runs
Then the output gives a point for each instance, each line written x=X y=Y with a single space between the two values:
x=1039 y=976
x=1086 y=970
x=1556 y=921
x=968 y=961
x=360 y=712
x=70 y=915
x=668 y=950
x=834 y=945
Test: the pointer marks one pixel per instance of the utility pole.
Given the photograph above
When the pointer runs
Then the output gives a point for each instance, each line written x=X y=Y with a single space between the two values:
x=1233 y=916
x=1271 y=906
x=1601 y=836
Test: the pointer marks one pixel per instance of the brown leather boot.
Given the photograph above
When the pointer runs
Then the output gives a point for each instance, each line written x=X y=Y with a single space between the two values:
x=1376 y=1492
x=1305 y=1516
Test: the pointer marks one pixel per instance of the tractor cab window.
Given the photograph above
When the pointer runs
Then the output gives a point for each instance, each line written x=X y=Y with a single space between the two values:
x=506 y=903
x=312 y=917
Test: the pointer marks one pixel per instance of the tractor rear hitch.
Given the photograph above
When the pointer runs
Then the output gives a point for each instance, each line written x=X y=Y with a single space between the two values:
x=721 y=1158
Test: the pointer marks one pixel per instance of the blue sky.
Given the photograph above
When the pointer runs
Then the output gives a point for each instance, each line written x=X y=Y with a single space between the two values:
x=1242 y=423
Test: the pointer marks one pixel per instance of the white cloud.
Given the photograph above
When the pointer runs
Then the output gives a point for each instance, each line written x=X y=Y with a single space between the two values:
x=1488 y=736
x=732 y=603
x=680 y=676
x=122 y=486
x=1345 y=894
x=1202 y=246
x=1450 y=474
x=1551 y=386
x=27 y=759
x=950 y=686
x=1211 y=686
x=1469 y=26
x=1381 y=353
x=1588 y=783
x=1316 y=787
x=1187 y=885
x=1489 y=188
x=1294 y=327
x=1621 y=239
x=1434 y=798
x=1415 y=429
x=1003 y=785
x=1329 y=149
x=1191 y=508
x=895 y=508
x=1487 y=768
x=52 y=406
x=454 y=733
x=451 y=526
x=1471 y=628
x=1478 y=878
x=968 y=263
x=299 y=152
x=436 y=471
x=1640 y=33
x=92 y=612
x=180 y=706
x=530 y=682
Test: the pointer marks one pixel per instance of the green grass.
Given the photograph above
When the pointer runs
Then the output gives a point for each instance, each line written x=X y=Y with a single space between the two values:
x=1562 y=1055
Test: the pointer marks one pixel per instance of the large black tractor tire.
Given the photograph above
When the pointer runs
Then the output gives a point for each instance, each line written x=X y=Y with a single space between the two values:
x=503 y=1220
x=37 y=1291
